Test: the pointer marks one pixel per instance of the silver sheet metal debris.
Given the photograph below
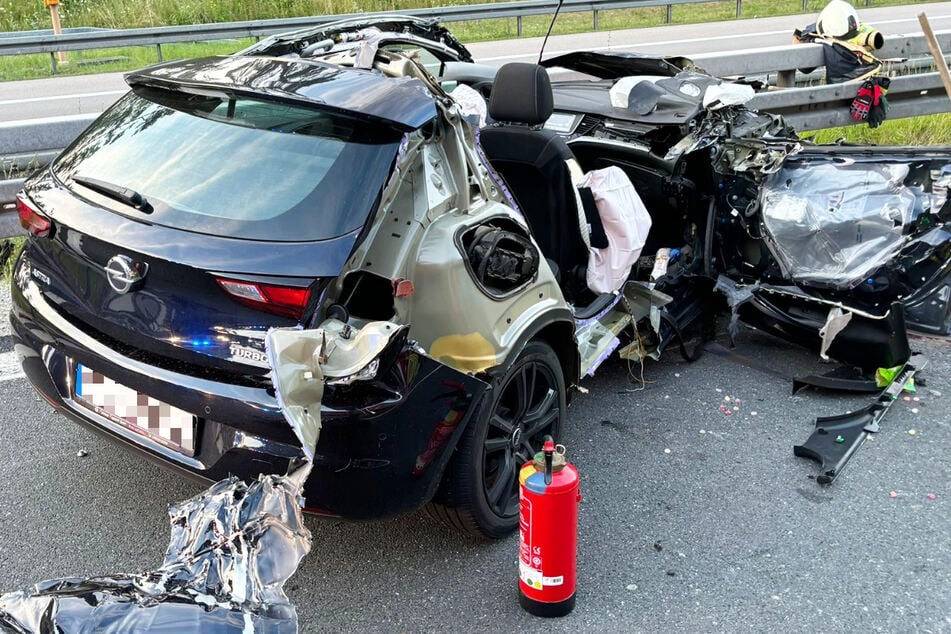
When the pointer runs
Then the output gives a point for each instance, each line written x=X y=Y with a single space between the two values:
x=232 y=547
x=836 y=223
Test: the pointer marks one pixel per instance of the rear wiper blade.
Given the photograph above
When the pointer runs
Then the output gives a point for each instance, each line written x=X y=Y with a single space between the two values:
x=117 y=192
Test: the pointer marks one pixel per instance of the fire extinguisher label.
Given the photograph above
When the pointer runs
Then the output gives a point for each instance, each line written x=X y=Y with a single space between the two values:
x=530 y=576
x=534 y=578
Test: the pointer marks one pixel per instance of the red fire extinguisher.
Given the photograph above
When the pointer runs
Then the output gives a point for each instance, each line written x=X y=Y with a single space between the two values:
x=548 y=532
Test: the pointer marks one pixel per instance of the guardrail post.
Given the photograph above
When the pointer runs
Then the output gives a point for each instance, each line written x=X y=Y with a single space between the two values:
x=786 y=79
x=670 y=13
x=739 y=8
x=53 y=62
x=518 y=25
x=595 y=19
x=805 y=5
x=158 y=49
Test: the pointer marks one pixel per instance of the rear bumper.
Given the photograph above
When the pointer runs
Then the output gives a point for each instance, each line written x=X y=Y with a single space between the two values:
x=383 y=444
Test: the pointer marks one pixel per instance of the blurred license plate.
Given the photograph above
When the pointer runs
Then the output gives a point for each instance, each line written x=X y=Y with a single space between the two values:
x=167 y=425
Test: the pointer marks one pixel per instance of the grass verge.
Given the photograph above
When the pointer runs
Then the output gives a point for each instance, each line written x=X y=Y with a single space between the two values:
x=925 y=131
x=9 y=250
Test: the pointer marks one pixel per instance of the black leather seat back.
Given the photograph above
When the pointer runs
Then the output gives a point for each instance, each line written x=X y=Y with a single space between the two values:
x=532 y=161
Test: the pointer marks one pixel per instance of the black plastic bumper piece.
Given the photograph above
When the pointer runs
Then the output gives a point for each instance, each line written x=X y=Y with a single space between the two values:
x=842 y=379
x=837 y=438
x=866 y=343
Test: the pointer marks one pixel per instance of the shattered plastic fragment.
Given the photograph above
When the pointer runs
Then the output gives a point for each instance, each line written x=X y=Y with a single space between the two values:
x=884 y=376
x=835 y=323
x=931 y=496
x=893 y=494
x=666 y=450
x=736 y=296
x=298 y=381
x=82 y=453
x=914 y=410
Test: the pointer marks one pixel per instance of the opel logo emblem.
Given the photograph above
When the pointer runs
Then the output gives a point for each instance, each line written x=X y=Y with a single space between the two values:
x=125 y=274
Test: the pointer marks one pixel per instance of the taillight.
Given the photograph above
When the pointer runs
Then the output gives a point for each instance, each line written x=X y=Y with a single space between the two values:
x=31 y=219
x=288 y=301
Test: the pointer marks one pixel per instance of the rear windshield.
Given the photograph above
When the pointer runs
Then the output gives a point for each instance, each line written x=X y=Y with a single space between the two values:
x=235 y=167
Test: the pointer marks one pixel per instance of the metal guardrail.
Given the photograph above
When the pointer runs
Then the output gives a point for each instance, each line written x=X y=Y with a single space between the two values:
x=39 y=32
x=816 y=107
x=42 y=42
x=36 y=135
x=9 y=221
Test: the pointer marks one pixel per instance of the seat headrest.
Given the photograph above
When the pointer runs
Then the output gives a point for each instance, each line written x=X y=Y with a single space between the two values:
x=521 y=93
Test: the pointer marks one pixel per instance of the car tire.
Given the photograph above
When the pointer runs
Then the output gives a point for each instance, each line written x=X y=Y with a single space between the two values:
x=479 y=492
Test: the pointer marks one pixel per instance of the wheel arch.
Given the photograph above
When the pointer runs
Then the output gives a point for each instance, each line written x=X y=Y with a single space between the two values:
x=462 y=500
x=557 y=329
x=560 y=335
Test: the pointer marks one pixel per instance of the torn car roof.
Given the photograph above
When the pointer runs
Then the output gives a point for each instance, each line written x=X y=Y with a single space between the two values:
x=616 y=64
x=410 y=29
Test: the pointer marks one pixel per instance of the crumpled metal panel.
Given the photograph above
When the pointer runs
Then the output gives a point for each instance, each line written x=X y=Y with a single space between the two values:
x=834 y=223
x=232 y=549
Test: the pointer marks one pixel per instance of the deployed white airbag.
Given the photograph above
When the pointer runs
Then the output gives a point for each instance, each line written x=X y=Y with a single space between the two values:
x=626 y=223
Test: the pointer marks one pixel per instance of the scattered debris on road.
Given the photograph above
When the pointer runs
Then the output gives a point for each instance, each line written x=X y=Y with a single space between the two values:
x=837 y=438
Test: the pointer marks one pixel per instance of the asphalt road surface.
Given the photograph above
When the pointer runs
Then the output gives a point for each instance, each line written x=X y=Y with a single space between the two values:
x=57 y=96
x=692 y=520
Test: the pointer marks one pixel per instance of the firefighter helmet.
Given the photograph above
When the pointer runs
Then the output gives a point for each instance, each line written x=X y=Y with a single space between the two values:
x=838 y=19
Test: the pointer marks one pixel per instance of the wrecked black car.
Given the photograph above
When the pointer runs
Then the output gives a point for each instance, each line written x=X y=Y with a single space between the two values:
x=445 y=279
x=833 y=246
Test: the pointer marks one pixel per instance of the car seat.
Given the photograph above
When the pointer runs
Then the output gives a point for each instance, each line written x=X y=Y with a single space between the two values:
x=537 y=165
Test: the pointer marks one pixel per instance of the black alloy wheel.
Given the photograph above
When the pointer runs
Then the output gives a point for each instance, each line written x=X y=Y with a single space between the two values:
x=480 y=495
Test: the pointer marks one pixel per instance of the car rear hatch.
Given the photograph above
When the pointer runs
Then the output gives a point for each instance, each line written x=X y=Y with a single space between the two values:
x=185 y=223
